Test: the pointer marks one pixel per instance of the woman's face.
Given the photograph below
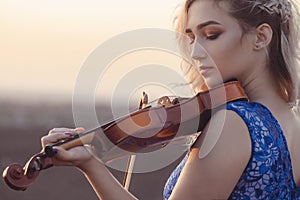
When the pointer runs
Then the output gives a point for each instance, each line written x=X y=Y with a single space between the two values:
x=218 y=49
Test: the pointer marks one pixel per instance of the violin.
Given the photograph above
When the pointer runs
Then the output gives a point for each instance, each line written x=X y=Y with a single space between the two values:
x=144 y=130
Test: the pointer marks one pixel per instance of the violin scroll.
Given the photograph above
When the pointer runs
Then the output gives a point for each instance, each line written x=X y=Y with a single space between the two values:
x=19 y=178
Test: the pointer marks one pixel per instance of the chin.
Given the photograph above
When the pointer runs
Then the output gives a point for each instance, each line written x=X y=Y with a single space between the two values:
x=212 y=82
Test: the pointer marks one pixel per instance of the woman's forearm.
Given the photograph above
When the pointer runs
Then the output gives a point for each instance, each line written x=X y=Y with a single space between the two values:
x=103 y=182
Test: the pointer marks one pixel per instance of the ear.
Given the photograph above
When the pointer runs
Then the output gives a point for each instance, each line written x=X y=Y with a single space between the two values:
x=264 y=34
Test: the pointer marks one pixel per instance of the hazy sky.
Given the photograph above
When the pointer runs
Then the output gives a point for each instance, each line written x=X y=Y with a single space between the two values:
x=44 y=43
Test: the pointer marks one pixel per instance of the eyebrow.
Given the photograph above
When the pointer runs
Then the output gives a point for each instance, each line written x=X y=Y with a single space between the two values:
x=200 y=26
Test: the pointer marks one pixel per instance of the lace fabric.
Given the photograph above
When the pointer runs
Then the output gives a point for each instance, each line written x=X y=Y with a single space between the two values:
x=268 y=174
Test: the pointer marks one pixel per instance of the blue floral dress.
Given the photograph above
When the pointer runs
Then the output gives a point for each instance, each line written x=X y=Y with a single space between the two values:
x=268 y=174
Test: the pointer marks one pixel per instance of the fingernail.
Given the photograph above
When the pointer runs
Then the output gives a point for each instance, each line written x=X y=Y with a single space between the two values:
x=68 y=133
x=55 y=151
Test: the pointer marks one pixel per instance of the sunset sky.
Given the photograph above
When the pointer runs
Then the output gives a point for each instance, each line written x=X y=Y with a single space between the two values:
x=44 y=43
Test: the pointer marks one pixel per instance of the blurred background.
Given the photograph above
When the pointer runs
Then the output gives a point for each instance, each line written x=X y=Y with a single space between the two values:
x=43 y=44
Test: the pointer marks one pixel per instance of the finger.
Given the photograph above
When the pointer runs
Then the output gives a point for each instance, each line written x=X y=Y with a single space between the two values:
x=60 y=157
x=66 y=157
x=59 y=130
x=52 y=138
x=79 y=129
x=57 y=134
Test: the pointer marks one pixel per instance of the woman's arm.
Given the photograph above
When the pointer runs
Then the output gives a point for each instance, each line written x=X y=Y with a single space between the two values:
x=217 y=160
x=102 y=181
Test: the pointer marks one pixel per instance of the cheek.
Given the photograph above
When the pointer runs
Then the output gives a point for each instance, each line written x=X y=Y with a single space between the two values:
x=227 y=55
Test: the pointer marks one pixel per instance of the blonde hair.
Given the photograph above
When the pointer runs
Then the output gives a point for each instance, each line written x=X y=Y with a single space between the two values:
x=283 y=52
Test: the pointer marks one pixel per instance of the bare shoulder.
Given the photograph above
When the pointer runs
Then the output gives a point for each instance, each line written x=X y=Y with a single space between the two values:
x=217 y=159
x=225 y=128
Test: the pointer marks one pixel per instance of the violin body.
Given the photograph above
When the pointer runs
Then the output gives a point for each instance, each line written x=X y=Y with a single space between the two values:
x=153 y=128
x=145 y=130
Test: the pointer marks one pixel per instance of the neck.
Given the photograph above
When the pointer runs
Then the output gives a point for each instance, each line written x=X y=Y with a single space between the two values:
x=261 y=88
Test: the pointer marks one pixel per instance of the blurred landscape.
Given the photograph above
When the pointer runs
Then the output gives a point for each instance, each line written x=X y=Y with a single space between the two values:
x=23 y=124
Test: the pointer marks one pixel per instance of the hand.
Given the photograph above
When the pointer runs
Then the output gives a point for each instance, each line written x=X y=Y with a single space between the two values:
x=73 y=157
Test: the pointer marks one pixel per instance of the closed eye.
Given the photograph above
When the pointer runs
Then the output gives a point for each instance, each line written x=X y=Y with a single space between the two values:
x=213 y=36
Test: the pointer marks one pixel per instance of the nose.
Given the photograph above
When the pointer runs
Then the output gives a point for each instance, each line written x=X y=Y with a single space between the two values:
x=198 y=52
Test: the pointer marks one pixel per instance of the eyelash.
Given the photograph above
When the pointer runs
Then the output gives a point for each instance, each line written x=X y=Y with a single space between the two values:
x=213 y=36
x=209 y=37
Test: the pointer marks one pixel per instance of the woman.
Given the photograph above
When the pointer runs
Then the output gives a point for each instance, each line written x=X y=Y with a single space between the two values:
x=256 y=153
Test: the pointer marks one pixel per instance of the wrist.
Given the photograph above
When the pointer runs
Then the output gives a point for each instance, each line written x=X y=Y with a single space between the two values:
x=90 y=164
